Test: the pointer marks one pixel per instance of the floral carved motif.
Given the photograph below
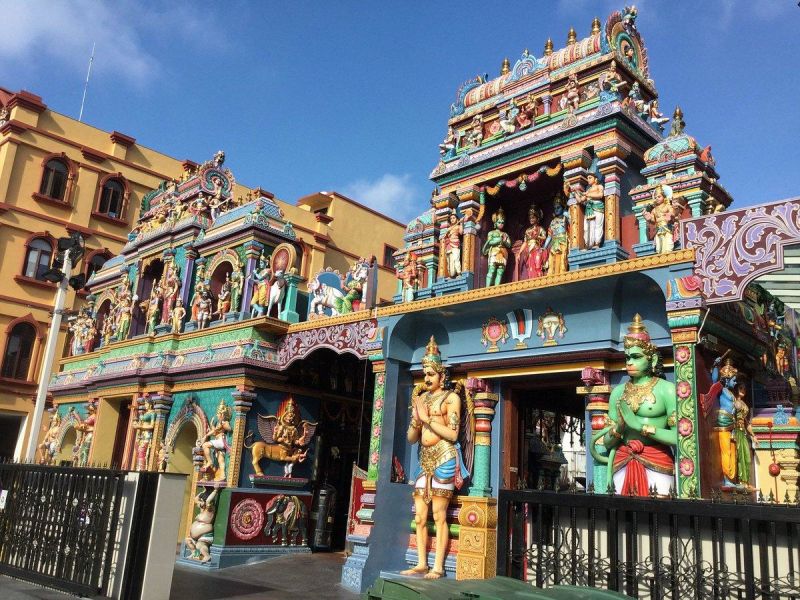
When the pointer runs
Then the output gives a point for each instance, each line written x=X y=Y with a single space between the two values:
x=733 y=248
x=356 y=338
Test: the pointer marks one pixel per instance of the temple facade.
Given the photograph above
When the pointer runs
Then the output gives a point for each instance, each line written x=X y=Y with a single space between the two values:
x=577 y=309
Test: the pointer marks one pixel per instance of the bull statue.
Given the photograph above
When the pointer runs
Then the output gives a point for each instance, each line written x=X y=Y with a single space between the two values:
x=285 y=439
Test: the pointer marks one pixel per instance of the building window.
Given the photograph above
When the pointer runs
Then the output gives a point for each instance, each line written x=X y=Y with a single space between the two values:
x=111 y=199
x=19 y=347
x=54 y=179
x=37 y=259
x=388 y=256
x=94 y=264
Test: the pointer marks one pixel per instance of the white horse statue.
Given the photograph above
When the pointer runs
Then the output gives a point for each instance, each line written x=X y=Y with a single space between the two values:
x=323 y=296
x=276 y=293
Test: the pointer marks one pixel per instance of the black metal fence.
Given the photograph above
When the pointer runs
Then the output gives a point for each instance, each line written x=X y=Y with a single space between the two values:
x=651 y=547
x=58 y=525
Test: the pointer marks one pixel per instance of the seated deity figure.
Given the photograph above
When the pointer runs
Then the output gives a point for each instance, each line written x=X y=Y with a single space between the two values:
x=447 y=148
x=557 y=242
x=593 y=200
x=435 y=424
x=216 y=441
x=641 y=428
x=496 y=249
x=527 y=114
x=452 y=245
x=662 y=214
x=733 y=431
x=533 y=254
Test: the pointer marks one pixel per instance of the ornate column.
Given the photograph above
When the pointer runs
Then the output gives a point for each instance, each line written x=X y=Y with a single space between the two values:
x=575 y=171
x=162 y=405
x=289 y=312
x=242 y=401
x=612 y=167
x=597 y=391
x=485 y=403
x=697 y=202
x=188 y=273
x=129 y=453
x=547 y=101
x=684 y=325
x=379 y=369
x=252 y=250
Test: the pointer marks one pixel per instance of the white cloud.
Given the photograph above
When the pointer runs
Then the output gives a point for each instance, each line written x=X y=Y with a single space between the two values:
x=390 y=194
x=54 y=34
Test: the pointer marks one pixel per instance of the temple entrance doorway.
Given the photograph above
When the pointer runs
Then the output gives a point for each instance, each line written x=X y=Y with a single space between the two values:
x=66 y=455
x=544 y=434
x=180 y=461
x=344 y=386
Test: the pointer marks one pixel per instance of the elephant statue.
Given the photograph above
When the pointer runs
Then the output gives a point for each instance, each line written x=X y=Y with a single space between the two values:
x=288 y=516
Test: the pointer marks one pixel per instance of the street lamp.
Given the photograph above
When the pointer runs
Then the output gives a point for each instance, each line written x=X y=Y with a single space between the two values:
x=70 y=250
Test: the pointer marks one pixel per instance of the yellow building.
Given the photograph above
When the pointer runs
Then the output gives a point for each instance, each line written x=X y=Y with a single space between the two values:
x=58 y=176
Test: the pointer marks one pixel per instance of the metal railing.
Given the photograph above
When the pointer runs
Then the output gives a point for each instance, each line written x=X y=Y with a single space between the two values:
x=651 y=547
x=58 y=525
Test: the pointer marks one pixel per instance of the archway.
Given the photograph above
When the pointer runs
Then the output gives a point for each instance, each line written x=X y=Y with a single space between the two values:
x=65 y=454
x=180 y=461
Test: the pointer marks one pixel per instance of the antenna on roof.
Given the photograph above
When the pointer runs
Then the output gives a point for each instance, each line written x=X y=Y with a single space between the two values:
x=86 y=85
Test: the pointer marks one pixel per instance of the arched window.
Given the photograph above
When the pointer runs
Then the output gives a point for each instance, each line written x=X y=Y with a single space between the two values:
x=95 y=263
x=111 y=197
x=37 y=259
x=19 y=347
x=54 y=179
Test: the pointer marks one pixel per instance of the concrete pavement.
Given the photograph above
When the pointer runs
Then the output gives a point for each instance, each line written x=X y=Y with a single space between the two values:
x=286 y=577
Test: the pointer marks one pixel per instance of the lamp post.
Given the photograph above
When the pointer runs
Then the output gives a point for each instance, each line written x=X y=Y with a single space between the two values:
x=72 y=247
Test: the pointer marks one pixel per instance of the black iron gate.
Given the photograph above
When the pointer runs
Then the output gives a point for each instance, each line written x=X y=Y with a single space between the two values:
x=651 y=547
x=58 y=524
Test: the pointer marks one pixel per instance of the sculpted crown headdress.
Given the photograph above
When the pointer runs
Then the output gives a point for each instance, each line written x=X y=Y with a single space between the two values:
x=728 y=370
x=500 y=215
x=223 y=410
x=638 y=336
x=432 y=358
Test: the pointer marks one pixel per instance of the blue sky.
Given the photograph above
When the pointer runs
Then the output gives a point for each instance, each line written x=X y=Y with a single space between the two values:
x=354 y=96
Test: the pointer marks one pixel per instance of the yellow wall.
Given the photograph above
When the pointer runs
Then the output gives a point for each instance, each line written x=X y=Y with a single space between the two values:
x=181 y=462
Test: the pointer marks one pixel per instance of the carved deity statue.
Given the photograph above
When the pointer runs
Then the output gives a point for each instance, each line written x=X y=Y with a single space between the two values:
x=285 y=438
x=733 y=432
x=656 y=117
x=144 y=426
x=224 y=298
x=178 y=313
x=496 y=249
x=262 y=278
x=237 y=285
x=49 y=446
x=152 y=307
x=593 y=200
x=437 y=422
x=475 y=131
x=201 y=530
x=640 y=430
x=572 y=94
x=85 y=430
x=409 y=274
x=662 y=214
x=452 y=245
x=527 y=112
x=170 y=288
x=448 y=146
x=557 y=242
x=532 y=252
x=205 y=308
x=216 y=441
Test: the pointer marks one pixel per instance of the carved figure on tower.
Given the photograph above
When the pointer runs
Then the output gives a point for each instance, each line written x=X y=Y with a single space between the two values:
x=224 y=298
x=475 y=132
x=152 y=307
x=409 y=274
x=438 y=420
x=533 y=254
x=286 y=438
x=452 y=245
x=662 y=214
x=144 y=426
x=449 y=145
x=496 y=248
x=734 y=432
x=170 y=288
x=262 y=277
x=201 y=530
x=178 y=313
x=85 y=429
x=641 y=428
x=49 y=446
x=557 y=242
x=216 y=441
x=527 y=114
x=593 y=200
